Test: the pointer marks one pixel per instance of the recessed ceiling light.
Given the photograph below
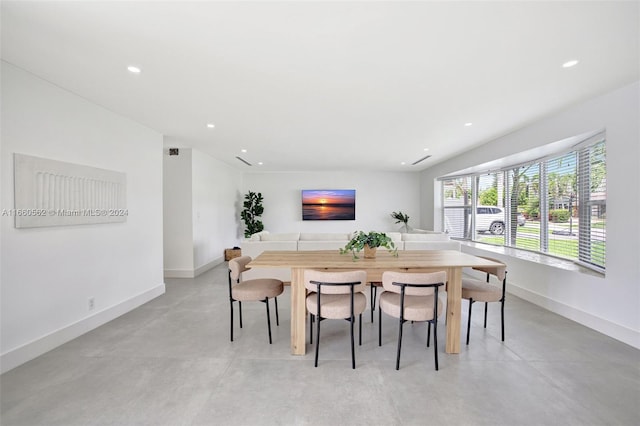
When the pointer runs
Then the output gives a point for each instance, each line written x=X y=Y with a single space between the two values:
x=243 y=150
x=211 y=125
x=134 y=69
x=259 y=163
x=403 y=163
x=468 y=124
x=570 y=63
x=426 y=149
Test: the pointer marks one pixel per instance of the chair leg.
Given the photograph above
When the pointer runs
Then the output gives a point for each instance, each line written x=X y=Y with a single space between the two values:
x=374 y=295
x=353 y=348
x=485 y=314
x=360 y=330
x=401 y=322
x=277 y=317
x=240 y=309
x=371 y=299
x=469 y=320
x=502 y=318
x=231 y=304
x=379 y=326
x=428 y=332
x=266 y=302
x=435 y=341
x=311 y=321
x=317 y=339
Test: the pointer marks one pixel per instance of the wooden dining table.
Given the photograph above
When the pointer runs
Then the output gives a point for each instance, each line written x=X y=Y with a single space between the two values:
x=451 y=261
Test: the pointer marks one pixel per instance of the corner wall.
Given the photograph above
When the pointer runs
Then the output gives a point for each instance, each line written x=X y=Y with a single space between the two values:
x=201 y=212
x=178 y=223
x=216 y=190
x=49 y=274
x=610 y=304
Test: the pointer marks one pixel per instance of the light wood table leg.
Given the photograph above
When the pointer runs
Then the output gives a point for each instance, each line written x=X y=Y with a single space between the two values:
x=454 y=307
x=298 y=312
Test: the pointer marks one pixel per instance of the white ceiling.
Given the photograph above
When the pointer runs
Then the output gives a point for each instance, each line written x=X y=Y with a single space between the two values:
x=327 y=85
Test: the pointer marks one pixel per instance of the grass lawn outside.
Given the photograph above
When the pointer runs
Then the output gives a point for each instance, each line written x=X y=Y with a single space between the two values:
x=566 y=248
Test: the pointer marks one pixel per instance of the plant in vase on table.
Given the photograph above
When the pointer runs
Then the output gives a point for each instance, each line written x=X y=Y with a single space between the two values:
x=369 y=242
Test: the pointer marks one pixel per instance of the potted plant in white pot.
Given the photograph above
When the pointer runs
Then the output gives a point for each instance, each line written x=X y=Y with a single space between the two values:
x=369 y=242
x=401 y=218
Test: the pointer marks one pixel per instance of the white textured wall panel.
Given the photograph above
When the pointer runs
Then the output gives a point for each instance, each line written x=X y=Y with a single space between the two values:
x=54 y=193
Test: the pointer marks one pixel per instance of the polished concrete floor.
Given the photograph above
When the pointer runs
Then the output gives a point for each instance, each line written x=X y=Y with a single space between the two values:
x=170 y=362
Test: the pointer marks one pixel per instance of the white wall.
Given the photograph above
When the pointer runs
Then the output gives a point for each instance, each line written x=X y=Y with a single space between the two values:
x=377 y=195
x=200 y=203
x=611 y=304
x=216 y=190
x=48 y=274
x=178 y=223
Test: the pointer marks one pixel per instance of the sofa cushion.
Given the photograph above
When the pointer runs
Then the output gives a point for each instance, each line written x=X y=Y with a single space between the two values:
x=307 y=236
x=395 y=236
x=432 y=245
x=423 y=231
x=293 y=236
x=257 y=236
x=425 y=237
x=321 y=245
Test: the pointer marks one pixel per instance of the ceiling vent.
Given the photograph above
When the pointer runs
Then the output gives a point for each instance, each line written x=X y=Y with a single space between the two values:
x=420 y=160
x=244 y=161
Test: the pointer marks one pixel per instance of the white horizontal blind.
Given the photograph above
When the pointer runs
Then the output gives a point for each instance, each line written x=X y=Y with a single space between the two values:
x=524 y=184
x=592 y=187
x=457 y=193
x=562 y=198
x=490 y=215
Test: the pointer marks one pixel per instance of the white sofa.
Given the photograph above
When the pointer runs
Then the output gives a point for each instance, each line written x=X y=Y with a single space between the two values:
x=299 y=241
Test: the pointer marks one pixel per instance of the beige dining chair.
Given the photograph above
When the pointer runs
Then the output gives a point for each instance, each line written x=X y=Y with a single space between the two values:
x=336 y=295
x=475 y=290
x=411 y=297
x=259 y=289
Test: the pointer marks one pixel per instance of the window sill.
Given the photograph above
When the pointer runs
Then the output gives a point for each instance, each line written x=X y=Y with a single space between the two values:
x=538 y=258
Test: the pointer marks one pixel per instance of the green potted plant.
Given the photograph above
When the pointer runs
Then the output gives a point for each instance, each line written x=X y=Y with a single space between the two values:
x=369 y=242
x=401 y=218
x=251 y=214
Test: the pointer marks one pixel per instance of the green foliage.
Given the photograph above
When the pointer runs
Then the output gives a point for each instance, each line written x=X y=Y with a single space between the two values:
x=489 y=197
x=400 y=217
x=372 y=239
x=559 y=215
x=252 y=211
x=533 y=209
x=523 y=198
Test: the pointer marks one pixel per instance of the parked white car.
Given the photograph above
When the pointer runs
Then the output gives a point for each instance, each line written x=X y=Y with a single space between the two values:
x=492 y=219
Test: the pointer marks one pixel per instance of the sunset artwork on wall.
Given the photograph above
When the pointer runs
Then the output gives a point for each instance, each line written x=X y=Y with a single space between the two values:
x=329 y=204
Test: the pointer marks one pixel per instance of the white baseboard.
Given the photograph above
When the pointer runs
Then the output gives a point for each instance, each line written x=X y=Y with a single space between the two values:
x=178 y=273
x=204 y=268
x=192 y=273
x=31 y=350
x=611 y=329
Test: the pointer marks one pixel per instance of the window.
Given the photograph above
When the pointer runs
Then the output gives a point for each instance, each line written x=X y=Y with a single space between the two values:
x=524 y=182
x=556 y=205
x=457 y=207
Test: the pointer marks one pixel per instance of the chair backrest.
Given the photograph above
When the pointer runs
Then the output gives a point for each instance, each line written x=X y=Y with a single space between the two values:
x=499 y=271
x=237 y=266
x=426 y=278
x=335 y=277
